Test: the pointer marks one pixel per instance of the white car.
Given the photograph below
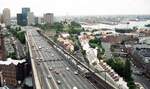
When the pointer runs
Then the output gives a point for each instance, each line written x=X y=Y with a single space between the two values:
x=50 y=68
x=58 y=81
x=67 y=68
x=74 y=88
x=52 y=55
x=40 y=47
x=49 y=76
x=76 y=72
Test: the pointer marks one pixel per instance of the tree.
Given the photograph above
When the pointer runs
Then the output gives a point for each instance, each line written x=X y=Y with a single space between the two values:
x=58 y=26
x=127 y=70
x=21 y=37
x=75 y=24
x=12 y=55
x=123 y=69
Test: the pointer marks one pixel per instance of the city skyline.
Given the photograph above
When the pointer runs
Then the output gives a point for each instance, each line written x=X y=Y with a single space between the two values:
x=78 y=7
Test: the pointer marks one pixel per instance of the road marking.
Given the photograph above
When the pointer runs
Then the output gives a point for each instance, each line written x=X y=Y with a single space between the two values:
x=65 y=81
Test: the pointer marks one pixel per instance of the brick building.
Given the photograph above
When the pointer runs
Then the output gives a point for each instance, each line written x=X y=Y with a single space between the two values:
x=12 y=71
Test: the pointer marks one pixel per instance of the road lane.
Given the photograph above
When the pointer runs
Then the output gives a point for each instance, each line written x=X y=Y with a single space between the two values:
x=51 y=58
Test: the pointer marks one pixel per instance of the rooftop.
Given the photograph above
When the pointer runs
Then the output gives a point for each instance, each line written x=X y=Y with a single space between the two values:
x=12 y=61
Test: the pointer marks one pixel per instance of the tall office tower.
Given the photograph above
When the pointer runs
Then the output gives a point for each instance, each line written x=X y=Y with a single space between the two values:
x=39 y=20
x=6 y=16
x=2 y=48
x=30 y=18
x=49 y=18
x=25 y=11
x=24 y=19
x=19 y=20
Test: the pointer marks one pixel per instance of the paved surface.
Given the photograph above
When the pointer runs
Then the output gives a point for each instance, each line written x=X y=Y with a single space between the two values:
x=140 y=78
x=20 y=49
x=50 y=58
x=107 y=49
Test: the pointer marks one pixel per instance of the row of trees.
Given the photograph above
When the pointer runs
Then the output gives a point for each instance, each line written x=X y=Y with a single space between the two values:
x=74 y=27
x=20 y=35
x=123 y=68
x=97 y=43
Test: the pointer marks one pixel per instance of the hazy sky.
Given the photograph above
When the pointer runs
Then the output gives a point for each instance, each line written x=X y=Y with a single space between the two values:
x=79 y=7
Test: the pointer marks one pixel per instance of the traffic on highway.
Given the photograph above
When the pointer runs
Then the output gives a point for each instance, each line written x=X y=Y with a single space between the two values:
x=54 y=70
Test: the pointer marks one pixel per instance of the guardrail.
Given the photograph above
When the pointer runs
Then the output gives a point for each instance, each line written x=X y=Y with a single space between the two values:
x=35 y=75
x=83 y=65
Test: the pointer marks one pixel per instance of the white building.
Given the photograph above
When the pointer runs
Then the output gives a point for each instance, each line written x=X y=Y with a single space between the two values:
x=6 y=16
x=31 y=19
x=49 y=18
x=91 y=54
x=39 y=20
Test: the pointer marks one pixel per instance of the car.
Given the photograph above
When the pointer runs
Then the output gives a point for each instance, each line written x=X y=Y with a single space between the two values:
x=76 y=72
x=40 y=47
x=50 y=68
x=67 y=68
x=58 y=81
x=49 y=77
x=74 y=88
x=56 y=72
x=40 y=59
x=52 y=55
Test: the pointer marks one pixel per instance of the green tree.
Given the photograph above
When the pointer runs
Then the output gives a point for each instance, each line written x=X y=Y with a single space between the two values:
x=58 y=26
x=21 y=37
x=12 y=55
x=75 y=24
x=123 y=69
x=127 y=70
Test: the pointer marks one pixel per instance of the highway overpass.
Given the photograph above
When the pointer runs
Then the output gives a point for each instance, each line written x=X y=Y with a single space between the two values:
x=51 y=69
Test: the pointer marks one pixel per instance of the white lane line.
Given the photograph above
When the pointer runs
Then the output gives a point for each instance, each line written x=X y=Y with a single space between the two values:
x=69 y=87
x=48 y=84
x=45 y=65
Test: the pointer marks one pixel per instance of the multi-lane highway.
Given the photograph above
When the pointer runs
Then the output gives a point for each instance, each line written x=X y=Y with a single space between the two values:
x=54 y=71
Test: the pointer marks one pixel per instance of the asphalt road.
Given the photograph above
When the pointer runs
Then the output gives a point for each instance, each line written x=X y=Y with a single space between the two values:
x=19 y=49
x=59 y=64
x=141 y=78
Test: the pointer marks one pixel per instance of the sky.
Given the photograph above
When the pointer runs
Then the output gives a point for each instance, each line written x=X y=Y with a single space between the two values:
x=79 y=7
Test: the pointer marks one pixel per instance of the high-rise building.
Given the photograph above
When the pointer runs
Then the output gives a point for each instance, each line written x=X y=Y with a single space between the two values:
x=39 y=20
x=20 y=20
x=49 y=18
x=22 y=17
x=6 y=16
x=25 y=11
x=30 y=18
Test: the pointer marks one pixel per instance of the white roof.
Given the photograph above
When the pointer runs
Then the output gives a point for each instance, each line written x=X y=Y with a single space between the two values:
x=9 y=61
